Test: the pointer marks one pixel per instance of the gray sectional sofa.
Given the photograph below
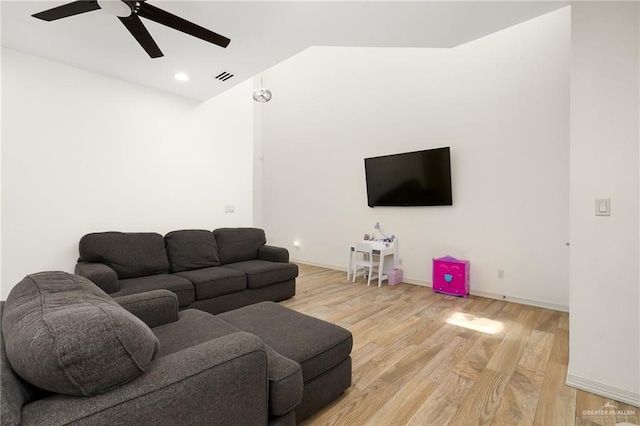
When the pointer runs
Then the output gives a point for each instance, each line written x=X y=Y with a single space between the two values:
x=212 y=271
x=71 y=354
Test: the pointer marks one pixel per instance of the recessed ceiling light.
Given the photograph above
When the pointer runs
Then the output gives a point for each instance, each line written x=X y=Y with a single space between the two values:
x=181 y=77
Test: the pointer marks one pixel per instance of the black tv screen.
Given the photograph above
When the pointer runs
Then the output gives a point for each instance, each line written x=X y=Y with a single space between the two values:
x=421 y=178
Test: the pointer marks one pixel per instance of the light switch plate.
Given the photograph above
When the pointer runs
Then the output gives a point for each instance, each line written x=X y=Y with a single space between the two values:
x=603 y=207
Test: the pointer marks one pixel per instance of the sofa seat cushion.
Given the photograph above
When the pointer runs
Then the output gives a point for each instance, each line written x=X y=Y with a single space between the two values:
x=131 y=255
x=213 y=282
x=239 y=244
x=180 y=286
x=315 y=344
x=65 y=335
x=261 y=273
x=191 y=249
x=194 y=327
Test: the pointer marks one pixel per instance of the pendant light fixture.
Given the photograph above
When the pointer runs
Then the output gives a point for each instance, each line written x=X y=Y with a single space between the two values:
x=262 y=94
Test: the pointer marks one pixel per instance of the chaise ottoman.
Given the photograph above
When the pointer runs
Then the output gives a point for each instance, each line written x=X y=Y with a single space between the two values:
x=322 y=349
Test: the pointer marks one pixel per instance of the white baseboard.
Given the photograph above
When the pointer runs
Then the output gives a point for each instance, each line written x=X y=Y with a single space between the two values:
x=607 y=391
x=523 y=301
x=520 y=300
x=321 y=265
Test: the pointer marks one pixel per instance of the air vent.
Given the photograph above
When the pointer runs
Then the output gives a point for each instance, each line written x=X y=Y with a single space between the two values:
x=224 y=76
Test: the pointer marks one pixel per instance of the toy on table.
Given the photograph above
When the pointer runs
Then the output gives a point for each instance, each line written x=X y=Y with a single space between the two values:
x=387 y=239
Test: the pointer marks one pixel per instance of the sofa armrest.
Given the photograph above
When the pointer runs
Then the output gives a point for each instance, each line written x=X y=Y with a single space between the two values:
x=156 y=307
x=285 y=383
x=99 y=274
x=219 y=382
x=273 y=254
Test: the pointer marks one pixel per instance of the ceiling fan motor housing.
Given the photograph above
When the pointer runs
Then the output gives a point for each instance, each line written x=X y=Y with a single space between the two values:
x=120 y=8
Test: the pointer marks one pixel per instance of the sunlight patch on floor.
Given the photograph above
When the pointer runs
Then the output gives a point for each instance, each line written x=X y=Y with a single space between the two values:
x=472 y=322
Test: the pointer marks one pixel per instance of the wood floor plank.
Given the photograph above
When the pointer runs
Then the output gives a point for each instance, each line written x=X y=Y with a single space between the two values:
x=404 y=370
x=582 y=422
x=421 y=356
x=511 y=311
x=603 y=411
x=507 y=356
x=478 y=304
x=353 y=315
x=337 y=410
x=362 y=326
x=371 y=371
x=518 y=405
x=563 y=321
x=443 y=362
x=365 y=354
x=404 y=404
x=375 y=396
x=476 y=358
x=595 y=409
x=627 y=413
x=557 y=403
x=526 y=321
x=560 y=348
x=508 y=317
x=425 y=329
x=547 y=321
x=494 y=308
x=481 y=403
x=411 y=308
x=536 y=353
x=371 y=335
x=394 y=310
x=402 y=336
x=410 y=366
x=445 y=305
x=443 y=403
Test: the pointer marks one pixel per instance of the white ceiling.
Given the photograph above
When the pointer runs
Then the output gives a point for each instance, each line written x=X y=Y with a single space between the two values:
x=262 y=34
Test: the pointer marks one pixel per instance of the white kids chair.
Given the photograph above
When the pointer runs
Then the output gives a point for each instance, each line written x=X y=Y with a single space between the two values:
x=364 y=258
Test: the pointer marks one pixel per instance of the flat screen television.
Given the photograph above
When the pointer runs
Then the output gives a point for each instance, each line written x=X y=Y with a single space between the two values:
x=421 y=178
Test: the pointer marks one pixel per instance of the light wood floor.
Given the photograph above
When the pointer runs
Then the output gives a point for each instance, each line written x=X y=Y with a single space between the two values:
x=411 y=366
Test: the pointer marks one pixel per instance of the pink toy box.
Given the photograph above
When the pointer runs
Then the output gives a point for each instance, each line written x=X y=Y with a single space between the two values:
x=395 y=276
x=451 y=276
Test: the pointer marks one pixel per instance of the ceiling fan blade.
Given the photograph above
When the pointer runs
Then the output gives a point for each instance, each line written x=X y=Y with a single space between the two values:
x=140 y=33
x=165 y=18
x=69 y=9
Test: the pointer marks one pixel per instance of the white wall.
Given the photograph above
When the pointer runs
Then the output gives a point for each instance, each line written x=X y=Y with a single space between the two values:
x=501 y=103
x=604 y=274
x=257 y=159
x=2 y=296
x=83 y=152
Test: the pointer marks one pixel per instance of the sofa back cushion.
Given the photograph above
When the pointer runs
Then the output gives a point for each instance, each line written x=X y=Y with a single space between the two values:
x=65 y=335
x=239 y=244
x=131 y=255
x=191 y=249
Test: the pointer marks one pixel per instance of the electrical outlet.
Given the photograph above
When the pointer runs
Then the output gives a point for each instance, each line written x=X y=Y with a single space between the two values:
x=230 y=208
x=400 y=261
x=501 y=273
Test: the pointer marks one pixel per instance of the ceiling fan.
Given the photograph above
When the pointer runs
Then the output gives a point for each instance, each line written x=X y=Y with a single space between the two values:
x=129 y=13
